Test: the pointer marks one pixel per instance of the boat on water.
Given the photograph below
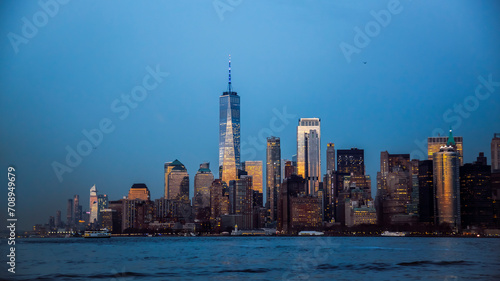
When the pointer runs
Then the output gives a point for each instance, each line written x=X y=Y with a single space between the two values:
x=97 y=234
x=394 y=234
x=311 y=233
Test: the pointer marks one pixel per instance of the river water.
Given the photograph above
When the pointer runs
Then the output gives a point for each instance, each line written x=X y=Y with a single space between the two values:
x=255 y=258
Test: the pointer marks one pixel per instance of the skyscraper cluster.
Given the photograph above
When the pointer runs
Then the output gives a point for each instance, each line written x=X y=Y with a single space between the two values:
x=440 y=191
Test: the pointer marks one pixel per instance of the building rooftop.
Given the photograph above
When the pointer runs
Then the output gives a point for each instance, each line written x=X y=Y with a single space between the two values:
x=139 y=185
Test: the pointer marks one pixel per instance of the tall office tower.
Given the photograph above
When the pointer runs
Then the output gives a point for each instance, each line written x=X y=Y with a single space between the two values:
x=102 y=203
x=138 y=191
x=289 y=169
x=241 y=200
x=69 y=213
x=219 y=203
x=330 y=157
x=394 y=184
x=117 y=206
x=426 y=191
x=446 y=164
x=110 y=220
x=52 y=223
x=412 y=208
x=93 y=206
x=58 y=221
x=351 y=161
x=202 y=182
x=167 y=169
x=273 y=175
x=77 y=210
x=434 y=145
x=229 y=133
x=476 y=204
x=137 y=214
x=495 y=153
x=309 y=152
x=177 y=181
x=293 y=186
x=254 y=169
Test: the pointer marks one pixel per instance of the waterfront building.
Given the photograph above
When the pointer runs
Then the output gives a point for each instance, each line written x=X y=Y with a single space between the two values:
x=476 y=204
x=117 y=206
x=394 y=189
x=137 y=214
x=426 y=191
x=296 y=210
x=110 y=220
x=241 y=201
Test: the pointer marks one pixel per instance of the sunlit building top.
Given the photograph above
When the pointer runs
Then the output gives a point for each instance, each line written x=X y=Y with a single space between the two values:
x=138 y=191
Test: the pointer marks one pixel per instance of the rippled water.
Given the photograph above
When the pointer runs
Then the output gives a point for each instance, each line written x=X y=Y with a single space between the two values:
x=256 y=258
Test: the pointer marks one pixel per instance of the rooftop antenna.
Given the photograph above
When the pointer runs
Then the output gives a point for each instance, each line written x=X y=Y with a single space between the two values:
x=229 y=84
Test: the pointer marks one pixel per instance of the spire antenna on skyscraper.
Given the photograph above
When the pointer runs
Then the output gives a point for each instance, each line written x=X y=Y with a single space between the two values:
x=451 y=139
x=229 y=84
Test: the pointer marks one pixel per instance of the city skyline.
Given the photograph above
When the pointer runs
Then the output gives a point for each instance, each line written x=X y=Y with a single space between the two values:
x=379 y=101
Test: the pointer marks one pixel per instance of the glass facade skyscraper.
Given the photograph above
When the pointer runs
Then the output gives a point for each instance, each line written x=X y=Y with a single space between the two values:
x=308 y=152
x=229 y=133
x=446 y=164
x=273 y=175
x=254 y=169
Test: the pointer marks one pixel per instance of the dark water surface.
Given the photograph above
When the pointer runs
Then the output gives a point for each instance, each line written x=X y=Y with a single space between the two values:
x=256 y=258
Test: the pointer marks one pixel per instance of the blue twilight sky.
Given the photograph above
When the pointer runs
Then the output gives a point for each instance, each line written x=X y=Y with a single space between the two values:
x=64 y=68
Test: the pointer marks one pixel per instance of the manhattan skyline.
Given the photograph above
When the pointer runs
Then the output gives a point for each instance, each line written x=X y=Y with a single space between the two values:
x=416 y=75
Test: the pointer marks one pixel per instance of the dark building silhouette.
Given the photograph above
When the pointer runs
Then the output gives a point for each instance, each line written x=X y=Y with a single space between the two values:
x=296 y=210
x=69 y=213
x=110 y=220
x=495 y=187
x=476 y=205
x=116 y=223
x=289 y=169
x=426 y=191
x=219 y=204
x=394 y=188
x=351 y=161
